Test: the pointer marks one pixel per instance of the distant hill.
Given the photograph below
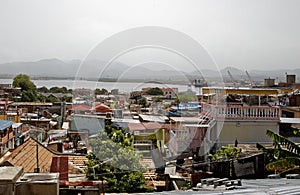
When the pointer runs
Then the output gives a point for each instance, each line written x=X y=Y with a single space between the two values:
x=92 y=69
x=95 y=69
x=46 y=67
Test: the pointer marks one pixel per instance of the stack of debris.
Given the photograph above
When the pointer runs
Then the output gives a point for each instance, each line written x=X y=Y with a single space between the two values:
x=217 y=184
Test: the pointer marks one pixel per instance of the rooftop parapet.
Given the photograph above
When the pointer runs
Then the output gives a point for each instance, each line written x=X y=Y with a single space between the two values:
x=238 y=112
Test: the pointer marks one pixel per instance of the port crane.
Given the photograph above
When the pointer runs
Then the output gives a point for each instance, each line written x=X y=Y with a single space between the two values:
x=249 y=77
x=231 y=77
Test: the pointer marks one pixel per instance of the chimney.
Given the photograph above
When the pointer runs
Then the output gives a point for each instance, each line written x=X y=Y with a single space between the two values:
x=60 y=164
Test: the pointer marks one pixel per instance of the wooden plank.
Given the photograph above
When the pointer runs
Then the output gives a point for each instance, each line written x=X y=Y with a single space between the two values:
x=243 y=169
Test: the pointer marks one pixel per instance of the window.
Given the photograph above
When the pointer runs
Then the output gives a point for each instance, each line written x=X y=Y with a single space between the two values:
x=10 y=118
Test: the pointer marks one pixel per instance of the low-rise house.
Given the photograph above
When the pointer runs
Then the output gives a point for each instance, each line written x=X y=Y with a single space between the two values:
x=32 y=107
x=79 y=109
x=135 y=96
x=167 y=93
x=26 y=156
x=7 y=139
x=8 y=91
x=8 y=179
x=147 y=136
x=247 y=124
x=9 y=112
x=170 y=93
x=186 y=135
x=21 y=133
x=101 y=109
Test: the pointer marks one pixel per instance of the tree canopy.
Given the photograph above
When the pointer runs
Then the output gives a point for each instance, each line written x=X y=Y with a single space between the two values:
x=24 y=82
x=101 y=91
x=54 y=90
x=115 y=160
x=155 y=91
x=184 y=97
x=284 y=157
x=28 y=88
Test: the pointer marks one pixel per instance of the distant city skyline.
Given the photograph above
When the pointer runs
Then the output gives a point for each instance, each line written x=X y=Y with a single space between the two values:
x=250 y=34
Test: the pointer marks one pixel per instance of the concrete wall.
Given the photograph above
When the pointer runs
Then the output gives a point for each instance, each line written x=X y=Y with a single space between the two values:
x=247 y=131
x=8 y=178
x=6 y=188
x=37 y=188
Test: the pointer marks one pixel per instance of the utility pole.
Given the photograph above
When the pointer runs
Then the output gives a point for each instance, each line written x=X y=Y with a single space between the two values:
x=102 y=173
x=62 y=112
x=37 y=169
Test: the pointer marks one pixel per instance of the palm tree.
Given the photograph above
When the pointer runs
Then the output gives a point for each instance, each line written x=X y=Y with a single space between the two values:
x=284 y=157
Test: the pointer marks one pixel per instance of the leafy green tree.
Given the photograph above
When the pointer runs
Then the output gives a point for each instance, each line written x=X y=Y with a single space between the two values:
x=29 y=96
x=142 y=102
x=155 y=91
x=28 y=88
x=66 y=99
x=157 y=99
x=176 y=101
x=43 y=89
x=58 y=90
x=183 y=97
x=114 y=159
x=284 y=157
x=51 y=99
x=101 y=92
x=24 y=82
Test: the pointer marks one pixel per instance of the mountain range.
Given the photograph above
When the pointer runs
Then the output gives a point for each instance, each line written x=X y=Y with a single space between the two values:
x=95 y=69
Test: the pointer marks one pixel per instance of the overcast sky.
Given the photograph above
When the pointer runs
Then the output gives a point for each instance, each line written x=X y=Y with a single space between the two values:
x=248 y=34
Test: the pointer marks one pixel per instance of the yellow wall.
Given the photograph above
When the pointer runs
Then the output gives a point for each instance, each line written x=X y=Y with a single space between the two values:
x=258 y=92
x=296 y=113
x=2 y=117
x=247 y=131
x=16 y=118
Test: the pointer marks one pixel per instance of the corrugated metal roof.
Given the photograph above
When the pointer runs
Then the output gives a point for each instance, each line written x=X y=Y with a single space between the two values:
x=249 y=186
x=5 y=124
x=16 y=125
x=153 y=118
x=186 y=119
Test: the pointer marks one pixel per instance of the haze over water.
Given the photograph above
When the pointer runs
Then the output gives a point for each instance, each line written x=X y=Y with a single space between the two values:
x=122 y=86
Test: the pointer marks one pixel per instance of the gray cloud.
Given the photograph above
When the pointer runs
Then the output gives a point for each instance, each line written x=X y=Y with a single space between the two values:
x=242 y=33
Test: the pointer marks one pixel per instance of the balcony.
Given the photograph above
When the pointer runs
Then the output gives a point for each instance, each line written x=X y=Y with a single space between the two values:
x=238 y=112
x=7 y=137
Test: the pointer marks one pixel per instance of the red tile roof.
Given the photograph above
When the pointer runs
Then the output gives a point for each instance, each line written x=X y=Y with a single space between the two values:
x=25 y=156
x=102 y=108
x=80 y=107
